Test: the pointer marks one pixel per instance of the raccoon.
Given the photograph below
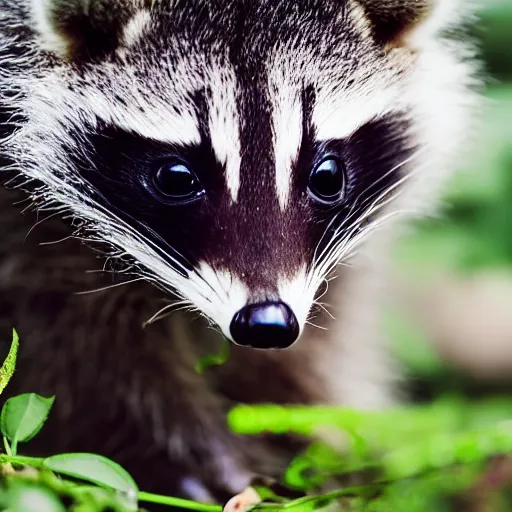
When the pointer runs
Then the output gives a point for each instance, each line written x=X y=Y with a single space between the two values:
x=196 y=171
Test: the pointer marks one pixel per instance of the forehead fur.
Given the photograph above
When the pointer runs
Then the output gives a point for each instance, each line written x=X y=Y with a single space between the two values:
x=221 y=50
x=258 y=88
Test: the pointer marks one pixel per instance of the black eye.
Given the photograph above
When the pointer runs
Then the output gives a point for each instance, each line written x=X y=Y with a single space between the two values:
x=327 y=181
x=177 y=183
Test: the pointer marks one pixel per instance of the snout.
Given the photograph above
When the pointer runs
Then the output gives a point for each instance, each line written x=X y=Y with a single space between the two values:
x=265 y=325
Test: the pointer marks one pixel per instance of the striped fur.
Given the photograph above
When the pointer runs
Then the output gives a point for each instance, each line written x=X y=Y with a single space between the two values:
x=95 y=95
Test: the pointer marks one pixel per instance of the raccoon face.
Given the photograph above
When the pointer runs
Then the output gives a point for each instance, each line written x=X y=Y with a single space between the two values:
x=238 y=151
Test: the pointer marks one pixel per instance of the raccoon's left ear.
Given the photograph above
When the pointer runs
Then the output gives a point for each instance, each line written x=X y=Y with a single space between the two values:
x=408 y=22
x=83 y=29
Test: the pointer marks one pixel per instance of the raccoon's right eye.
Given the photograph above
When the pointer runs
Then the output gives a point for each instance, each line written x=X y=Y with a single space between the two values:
x=327 y=181
x=175 y=182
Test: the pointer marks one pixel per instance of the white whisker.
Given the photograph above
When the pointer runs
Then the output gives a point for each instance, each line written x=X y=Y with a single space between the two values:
x=54 y=242
x=161 y=313
x=308 y=322
x=346 y=240
x=324 y=308
x=109 y=287
x=356 y=206
x=39 y=222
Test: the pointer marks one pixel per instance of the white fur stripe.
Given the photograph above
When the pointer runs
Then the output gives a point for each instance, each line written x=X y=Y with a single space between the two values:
x=149 y=118
x=227 y=296
x=298 y=293
x=224 y=125
x=49 y=38
x=136 y=27
x=337 y=116
x=287 y=126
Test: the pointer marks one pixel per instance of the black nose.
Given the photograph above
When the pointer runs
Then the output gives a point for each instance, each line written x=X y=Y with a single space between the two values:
x=268 y=325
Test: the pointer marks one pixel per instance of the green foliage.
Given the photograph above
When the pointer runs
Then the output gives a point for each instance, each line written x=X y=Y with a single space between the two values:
x=32 y=484
x=473 y=231
x=449 y=437
x=416 y=352
x=214 y=359
x=29 y=497
x=496 y=37
x=409 y=456
x=8 y=366
x=93 y=468
x=23 y=417
x=450 y=430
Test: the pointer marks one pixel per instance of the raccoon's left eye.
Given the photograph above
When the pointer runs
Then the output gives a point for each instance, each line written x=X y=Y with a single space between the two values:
x=327 y=181
x=175 y=182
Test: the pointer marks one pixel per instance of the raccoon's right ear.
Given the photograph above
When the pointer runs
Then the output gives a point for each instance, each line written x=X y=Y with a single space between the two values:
x=409 y=22
x=82 y=29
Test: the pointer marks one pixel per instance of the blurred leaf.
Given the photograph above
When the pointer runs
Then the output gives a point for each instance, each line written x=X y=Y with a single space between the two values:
x=25 y=496
x=474 y=230
x=7 y=369
x=496 y=37
x=214 y=359
x=412 y=346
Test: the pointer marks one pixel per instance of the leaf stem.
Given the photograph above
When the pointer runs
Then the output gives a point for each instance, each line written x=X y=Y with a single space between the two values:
x=178 y=502
x=6 y=446
x=35 y=462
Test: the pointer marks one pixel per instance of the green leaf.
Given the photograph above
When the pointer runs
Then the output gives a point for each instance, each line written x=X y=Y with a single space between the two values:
x=7 y=369
x=214 y=359
x=23 y=416
x=93 y=468
x=23 y=496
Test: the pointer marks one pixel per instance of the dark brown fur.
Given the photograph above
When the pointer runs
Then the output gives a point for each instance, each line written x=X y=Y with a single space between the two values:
x=124 y=390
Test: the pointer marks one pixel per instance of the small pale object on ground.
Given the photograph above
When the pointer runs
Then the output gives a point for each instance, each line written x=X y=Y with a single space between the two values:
x=243 y=501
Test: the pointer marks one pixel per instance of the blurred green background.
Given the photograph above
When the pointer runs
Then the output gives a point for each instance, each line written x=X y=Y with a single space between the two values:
x=454 y=273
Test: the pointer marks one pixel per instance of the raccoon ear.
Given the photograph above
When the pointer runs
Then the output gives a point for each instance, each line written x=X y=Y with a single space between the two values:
x=407 y=22
x=82 y=29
